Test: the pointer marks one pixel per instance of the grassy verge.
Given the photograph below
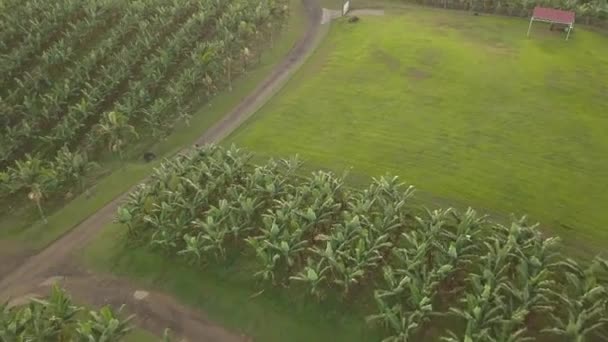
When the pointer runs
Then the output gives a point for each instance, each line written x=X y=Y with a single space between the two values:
x=226 y=293
x=22 y=229
x=466 y=108
x=139 y=335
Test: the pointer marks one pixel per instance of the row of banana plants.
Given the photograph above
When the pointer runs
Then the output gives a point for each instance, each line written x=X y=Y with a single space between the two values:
x=63 y=53
x=210 y=64
x=36 y=33
x=166 y=60
x=72 y=24
x=466 y=277
x=145 y=72
x=39 y=12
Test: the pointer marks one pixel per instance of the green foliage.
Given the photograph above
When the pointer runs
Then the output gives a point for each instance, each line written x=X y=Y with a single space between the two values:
x=35 y=178
x=115 y=131
x=58 y=319
x=335 y=241
x=32 y=174
x=143 y=65
x=584 y=302
x=71 y=167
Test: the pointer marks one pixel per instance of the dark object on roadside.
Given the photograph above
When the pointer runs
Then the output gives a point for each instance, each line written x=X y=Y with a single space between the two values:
x=149 y=156
x=353 y=19
x=476 y=14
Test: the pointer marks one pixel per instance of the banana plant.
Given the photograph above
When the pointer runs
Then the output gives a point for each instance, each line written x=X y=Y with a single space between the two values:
x=481 y=311
x=484 y=303
x=403 y=324
x=36 y=178
x=534 y=284
x=72 y=167
x=582 y=304
x=462 y=235
x=213 y=234
x=315 y=275
x=280 y=244
x=408 y=295
x=104 y=326
x=115 y=131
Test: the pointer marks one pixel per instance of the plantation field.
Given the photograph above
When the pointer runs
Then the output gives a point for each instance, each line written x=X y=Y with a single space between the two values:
x=22 y=229
x=464 y=107
x=103 y=81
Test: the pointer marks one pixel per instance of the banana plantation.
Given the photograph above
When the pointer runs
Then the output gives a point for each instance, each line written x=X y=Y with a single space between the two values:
x=439 y=275
x=80 y=77
x=57 y=318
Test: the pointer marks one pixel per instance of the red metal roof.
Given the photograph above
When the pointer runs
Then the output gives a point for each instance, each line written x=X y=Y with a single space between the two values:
x=554 y=15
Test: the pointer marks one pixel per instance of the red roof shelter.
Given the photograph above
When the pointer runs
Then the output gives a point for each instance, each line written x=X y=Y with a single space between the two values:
x=552 y=15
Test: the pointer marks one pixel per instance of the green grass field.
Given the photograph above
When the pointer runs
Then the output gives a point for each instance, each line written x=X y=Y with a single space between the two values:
x=465 y=108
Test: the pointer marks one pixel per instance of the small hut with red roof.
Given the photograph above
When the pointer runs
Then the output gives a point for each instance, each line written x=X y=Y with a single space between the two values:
x=554 y=16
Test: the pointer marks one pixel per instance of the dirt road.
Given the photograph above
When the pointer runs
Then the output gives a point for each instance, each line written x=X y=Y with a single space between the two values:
x=157 y=310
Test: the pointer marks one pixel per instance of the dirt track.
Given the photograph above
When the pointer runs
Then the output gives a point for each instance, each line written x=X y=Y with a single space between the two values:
x=156 y=310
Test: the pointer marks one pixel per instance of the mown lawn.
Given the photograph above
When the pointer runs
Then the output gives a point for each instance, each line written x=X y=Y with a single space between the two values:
x=464 y=107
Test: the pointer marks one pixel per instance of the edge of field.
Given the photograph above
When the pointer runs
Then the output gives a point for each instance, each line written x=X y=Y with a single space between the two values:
x=18 y=243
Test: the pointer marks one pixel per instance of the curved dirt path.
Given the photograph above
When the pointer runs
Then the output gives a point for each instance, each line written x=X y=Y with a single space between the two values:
x=54 y=259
